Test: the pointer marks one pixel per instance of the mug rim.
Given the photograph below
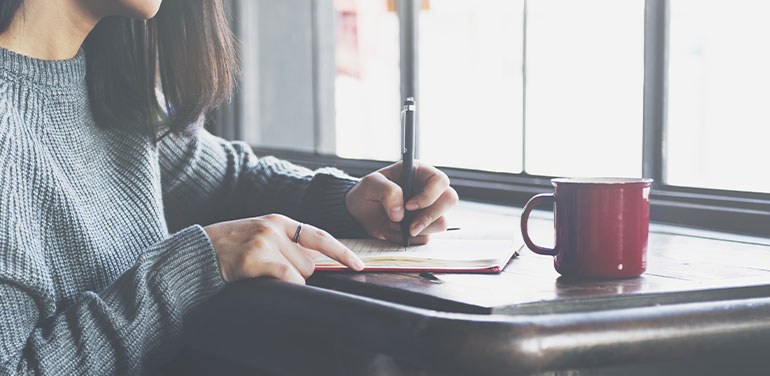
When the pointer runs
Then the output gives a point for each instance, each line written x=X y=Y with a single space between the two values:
x=601 y=180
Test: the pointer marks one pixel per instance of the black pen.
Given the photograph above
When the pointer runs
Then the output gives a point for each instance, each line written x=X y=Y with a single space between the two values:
x=408 y=119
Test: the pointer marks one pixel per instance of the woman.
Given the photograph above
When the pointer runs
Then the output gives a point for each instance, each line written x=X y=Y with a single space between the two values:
x=104 y=186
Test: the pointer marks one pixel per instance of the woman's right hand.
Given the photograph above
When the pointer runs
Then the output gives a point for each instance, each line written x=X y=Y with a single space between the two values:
x=264 y=246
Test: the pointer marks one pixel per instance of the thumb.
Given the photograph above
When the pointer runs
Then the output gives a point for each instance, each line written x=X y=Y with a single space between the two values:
x=388 y=193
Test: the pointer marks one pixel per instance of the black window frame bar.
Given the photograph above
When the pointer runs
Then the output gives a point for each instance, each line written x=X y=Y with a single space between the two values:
x=714 y=209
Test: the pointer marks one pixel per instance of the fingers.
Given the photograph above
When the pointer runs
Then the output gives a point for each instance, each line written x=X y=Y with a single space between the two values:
x=431 y=214
x=264 y=246
x=439 y=225
x=313 y=254
x=382 y=189
x=299 y=259
x=433 y=182
x=319 y=240
x=278 y=268
x=394 y=236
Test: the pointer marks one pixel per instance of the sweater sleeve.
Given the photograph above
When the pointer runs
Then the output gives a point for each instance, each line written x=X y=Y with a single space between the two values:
x=107 y=332
x=206 y=179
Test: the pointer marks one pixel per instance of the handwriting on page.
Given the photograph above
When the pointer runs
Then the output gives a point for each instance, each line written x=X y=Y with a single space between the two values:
x=446 y=249
x=437 y=253
x=371 y=248
x=375 y=247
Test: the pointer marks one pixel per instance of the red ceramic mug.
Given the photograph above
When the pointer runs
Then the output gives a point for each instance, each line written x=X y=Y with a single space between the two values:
x=601 y=226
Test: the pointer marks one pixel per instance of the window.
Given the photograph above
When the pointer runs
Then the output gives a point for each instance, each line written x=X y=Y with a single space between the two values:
x=471 y=85
x=513 y=92
x=470 y=73
x=366 y=88
x=718 y=126
x=585 y=78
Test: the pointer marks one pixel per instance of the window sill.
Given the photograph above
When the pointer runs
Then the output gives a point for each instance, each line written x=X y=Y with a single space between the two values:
x=724 y=211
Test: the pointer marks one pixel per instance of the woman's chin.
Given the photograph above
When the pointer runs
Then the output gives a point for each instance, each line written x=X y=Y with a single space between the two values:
x=137 y=9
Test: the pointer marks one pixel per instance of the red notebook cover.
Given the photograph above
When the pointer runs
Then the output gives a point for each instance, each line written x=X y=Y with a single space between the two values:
x=491 y=269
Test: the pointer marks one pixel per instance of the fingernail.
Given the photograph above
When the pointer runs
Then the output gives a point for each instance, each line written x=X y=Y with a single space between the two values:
x=359 y=265
x=416 y=229
x=412 y=206
x=395 y=211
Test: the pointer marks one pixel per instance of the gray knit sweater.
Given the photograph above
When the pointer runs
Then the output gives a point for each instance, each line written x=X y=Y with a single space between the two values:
x=91 y=282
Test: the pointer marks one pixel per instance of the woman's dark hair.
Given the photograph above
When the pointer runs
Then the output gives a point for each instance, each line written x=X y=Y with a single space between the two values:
x=187 y=49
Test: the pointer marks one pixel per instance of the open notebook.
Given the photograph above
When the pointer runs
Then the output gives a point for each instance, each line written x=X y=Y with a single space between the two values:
x=457 y=255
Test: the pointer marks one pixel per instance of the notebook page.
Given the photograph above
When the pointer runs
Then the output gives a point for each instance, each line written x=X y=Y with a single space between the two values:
x=437 y=249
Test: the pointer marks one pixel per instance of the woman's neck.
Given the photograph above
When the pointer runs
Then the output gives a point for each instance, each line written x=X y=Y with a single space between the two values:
x=49 y=30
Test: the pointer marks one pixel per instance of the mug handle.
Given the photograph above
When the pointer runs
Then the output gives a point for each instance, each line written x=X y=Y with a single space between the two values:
x=531 y=204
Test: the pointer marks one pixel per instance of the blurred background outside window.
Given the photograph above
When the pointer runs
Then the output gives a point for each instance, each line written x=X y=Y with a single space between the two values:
x=585 y=86
x=583 y=95
x=532 y=87
x=367 y=86
x=718 y=128
x=470 y=81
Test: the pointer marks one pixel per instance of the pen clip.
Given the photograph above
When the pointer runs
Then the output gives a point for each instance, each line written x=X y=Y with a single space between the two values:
x=403 y=130
x=409 y=106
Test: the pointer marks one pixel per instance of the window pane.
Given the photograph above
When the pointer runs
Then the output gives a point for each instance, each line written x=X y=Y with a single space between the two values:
x=367 y=84
x=719 y=94
x=471 y=84
x=584 y=88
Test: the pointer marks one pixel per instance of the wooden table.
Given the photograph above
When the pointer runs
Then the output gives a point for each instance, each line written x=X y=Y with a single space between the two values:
x=702 y=307
x=683 y=265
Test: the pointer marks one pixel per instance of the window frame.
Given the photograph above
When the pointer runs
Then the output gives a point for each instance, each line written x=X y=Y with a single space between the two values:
x=714 y=209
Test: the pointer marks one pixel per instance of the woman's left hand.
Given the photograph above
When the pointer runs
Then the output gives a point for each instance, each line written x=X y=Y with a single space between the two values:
x=377 y=202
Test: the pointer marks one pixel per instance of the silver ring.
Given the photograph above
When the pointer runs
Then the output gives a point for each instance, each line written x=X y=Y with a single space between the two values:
x=296 y=233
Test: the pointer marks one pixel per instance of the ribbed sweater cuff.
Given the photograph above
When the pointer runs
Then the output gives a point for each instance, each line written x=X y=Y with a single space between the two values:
x=190 y=272
x=323 y=205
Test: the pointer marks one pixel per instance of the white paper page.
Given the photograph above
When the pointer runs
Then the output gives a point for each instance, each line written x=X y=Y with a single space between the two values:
x=436 y=249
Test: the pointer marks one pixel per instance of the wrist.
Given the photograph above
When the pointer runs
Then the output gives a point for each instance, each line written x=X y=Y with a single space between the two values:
x=326 y=205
